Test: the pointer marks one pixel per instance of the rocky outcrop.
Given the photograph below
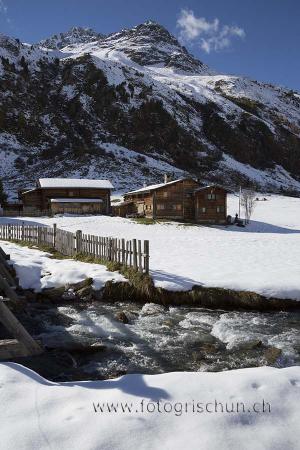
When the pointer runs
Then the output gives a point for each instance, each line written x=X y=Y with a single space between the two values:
x=81 y=291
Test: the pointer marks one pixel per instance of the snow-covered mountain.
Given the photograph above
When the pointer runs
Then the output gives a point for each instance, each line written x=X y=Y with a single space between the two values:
x=77 y=35
x=134 y=104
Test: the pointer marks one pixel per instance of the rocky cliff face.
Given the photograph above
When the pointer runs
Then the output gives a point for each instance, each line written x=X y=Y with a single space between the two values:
x=134 y=104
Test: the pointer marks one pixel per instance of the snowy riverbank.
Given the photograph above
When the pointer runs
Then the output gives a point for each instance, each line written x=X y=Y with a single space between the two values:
x=37 y=414
x=37 y=270
x=263 y=257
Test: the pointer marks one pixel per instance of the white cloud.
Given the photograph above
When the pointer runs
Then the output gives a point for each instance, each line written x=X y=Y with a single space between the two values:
x=3 y=7
x=3 y=11
x=210 y=36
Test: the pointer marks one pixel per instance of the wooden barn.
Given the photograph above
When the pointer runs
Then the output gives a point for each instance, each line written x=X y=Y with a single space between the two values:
x=168 y=200
x=182 y=199
x=68 y=195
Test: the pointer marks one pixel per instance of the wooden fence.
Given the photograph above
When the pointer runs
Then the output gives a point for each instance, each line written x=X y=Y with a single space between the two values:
x=21 y=213
x=130 y=253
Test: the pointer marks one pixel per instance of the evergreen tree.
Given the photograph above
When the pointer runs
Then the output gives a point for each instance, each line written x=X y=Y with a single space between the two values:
x=3 y=196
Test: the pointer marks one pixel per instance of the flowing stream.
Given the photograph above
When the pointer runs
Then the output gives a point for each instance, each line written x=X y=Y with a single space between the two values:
x=158 y=339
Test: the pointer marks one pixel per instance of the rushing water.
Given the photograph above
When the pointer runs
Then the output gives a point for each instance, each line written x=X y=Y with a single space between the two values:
x=157 y=339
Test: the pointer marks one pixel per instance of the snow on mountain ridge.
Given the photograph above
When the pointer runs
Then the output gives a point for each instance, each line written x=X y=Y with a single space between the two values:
x=147 y=44
x=76 y=35
x=150 y=44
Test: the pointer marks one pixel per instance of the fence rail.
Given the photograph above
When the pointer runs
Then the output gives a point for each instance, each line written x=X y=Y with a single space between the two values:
x=130 y=253
x=20 y=213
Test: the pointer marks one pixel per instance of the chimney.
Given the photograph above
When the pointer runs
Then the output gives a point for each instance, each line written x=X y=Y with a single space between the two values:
x=144 y=184
x=167 y=178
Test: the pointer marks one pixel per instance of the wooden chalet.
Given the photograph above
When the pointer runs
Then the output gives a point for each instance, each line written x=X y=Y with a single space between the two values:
x=210 y=204
x=182 y=199
x=67 y=195
x=168 y=200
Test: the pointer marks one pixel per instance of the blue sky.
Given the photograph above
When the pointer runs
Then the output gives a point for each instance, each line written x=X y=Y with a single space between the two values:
x=258 y=38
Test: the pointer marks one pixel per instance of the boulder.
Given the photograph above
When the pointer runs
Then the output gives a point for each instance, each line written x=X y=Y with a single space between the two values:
x=87 y=282
x=122 y=317
x=151 y=309
x=210 y=348
x=82 y=290
x=251 y=345
x=85 y=293
x=272 y=354
x=69 y=295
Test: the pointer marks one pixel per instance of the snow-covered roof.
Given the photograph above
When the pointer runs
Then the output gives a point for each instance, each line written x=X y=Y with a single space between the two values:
x=211 y=186
x=28 y=191
x=153 y=187
x=74 y=183
x=76 y=200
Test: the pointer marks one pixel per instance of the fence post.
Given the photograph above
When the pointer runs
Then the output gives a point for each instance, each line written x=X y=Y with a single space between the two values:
x=78 y=241
x=126 y=253
x=109 y=253
x=134 y=251
x=146 y=256
x=123 y=252
x=39 y=235
x=54 y=235
x=23 y=232
x=140 y=256
x=116 y=250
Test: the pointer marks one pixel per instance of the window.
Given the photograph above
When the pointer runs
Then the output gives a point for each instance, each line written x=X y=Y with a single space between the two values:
x=165 y=194
x=211 y=196
x=220 y=209
x=160 y=206
x=177 y=207
x=71 y=194
x=203 y=209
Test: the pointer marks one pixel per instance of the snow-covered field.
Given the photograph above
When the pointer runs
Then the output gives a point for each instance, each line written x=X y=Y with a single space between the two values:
x=36 y=414
x=263 y=257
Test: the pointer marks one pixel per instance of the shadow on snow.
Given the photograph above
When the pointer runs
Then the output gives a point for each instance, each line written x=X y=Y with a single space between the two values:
x=260 y=227
x=132 y=384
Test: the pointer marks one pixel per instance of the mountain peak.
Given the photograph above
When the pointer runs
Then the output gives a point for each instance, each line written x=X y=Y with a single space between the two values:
x=151 y=44
x=76 y=35
x=147 y=44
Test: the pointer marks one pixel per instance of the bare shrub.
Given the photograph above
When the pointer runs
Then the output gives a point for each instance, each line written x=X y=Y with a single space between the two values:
x=248 y=203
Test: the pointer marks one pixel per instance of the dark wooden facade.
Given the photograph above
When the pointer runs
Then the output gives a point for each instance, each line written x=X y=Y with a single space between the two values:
x=210 y=205
x=179 y=200
x=39 y=199
x=172 y=200
x=123 y=209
